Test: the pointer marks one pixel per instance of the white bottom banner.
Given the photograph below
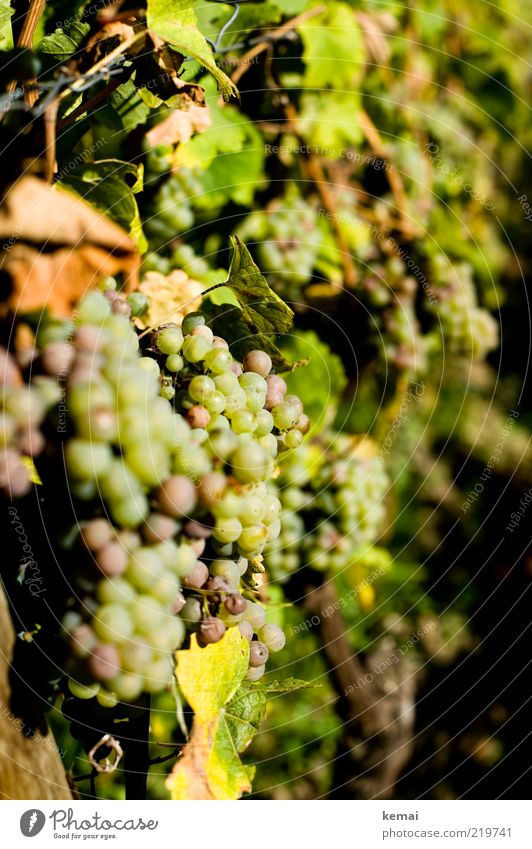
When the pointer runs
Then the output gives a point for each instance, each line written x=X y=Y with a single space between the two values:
x=450 y=825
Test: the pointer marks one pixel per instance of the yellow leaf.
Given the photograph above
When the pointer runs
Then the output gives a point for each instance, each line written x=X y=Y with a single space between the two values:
x=210 y=766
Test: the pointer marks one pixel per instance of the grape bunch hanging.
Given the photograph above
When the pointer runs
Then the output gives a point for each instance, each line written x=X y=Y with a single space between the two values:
x=170 y=448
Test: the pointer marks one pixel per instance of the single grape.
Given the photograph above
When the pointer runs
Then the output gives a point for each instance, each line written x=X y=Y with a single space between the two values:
x=111 y=559
x=246 y=630
x=191 y=611
x=196 y=348
x=272 y=636
x=192 y=320
x=258 y=654
x=174 y=363
x=112 y=623
x=255 y=615
x=218 y=360
x=104 y=662
x=248 y=462
x=159 y=527
x=131 y=511
x=227 y=529
x=226 y=569
x=169 y=340
x=83 y=691
x=235 y=604
x=198 y=416
x=255 y=672
x=177 y=496
x=197 y=577
x=259 y=362
x=212 y=629
x=211 y=488
x=285 y=415
x=201 y=388
x=97 y=533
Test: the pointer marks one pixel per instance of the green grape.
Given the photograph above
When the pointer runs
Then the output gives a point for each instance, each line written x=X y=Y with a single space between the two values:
x=227 y=529
x=201 y=388
x=226 y=569
x=195 y=349
x=83 y=691
x=112 y=623
x=248 y=463
x=169 y=339
x=93 y=308
x=217 y=360
x=192 y=320
x=144 y=568
x=130 y=511
x=272 y=636
x=86 y=460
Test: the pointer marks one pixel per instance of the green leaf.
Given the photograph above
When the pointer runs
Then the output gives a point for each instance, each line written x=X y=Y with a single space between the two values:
x=262 y=310
x=110 y=185
x=64 y=41
x=6 y=34
x=287 y=685
x=226 y=134
x=321 y=382
x=176 y=23
x=261 y=313
x=333 y=51
x=209 y=678
x=124 y=109
x=327 y=120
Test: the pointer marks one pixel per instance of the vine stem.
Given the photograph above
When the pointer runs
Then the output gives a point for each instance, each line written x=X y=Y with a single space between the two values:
x=186 y=304
x=25 y=39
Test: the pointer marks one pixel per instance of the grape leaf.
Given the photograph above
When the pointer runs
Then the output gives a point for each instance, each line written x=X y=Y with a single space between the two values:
x=262 y=310
x=260 y=314
x=246 y=709
x=210 y=766
x=177 y=24
x=6 y=35
x=110 y=186
x=64 y=41
x=124 y=109
x=334 y=53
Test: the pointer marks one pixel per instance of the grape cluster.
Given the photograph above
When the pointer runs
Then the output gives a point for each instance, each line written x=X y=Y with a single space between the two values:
x=286 y=239
x=170 y=452
x=22 y=411
x=171 y=211
x=333 y=505
x=466 y=328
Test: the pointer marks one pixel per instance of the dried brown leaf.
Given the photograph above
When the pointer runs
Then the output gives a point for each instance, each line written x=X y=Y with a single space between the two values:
x=55 y=246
